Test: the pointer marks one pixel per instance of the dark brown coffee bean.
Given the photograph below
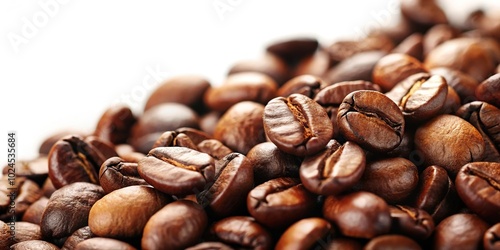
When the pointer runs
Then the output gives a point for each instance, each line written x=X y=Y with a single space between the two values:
x=233 y=182
x=172 y=138
x=18 y=231
x=393 y=179
x=293 y=49
x=478 y=185
x=115 y=124
x=74 y=159
x=16 y=199
x=342 y=243
x=36 y=170
x=280 y=202
x=357 y=67
x=342 y=50
x=413 y=222
x=393 y=242
x=52 y=139
x=34 y=244
x=420 y=96
x=242 y=232
x=214 y=148
x=297 y=125
x=304 y=234
x=103 y=243
x=269 y=65
x=210 y=245
x=334 y=170
x=436 y=193
x=393 y=68
x=176 y=226
x=182 y=89
x=35 y=211
x=462 y=83
x=188 y=170
x=70 y=204
x=423 y=14
x=450 y=142
x=489 y=90
x=128 y=153
x=78 y=236
x=316 y=64
x=463 y=54
x=452 y=102
x=491 y=239
x=359 y=214
x=307 y=85
x=115 y=173
x=365 y=111
x=460 y=231
x=437 y=35
x=413 y=46
x=241 y=127
x=269 y=162
x=486 y=23
x=138 y=202
x=48 y=188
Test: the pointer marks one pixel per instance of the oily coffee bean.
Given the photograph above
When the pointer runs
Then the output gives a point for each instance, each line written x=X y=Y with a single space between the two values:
x=103 y=243
x=334 y=170
x=34 y=244
x=393 y=179
x=214 y=148
x=478 y=185
x=491 y=239
x=359 y=215
x=70 y=204
x=280 y=202
x=172 y=138
x=413 y=222
x=413 y=46
x=436 y=193
x=489 y=90
x=297 y=125
x=450 y=142
x=365 y=111
x=210 y=245
x=183 y=89
x=188 y=170
x=115 y=124
x=437 y=35
x=105 y=219
x=177 y=225
x=16 y=199
x=307 y=85
x=269 y=65
x=341 y=50
x=241 y=127
x=233 y=182
x=269 y=162
x=420 y=96
x=115 y=173
x=78 y=236
x=358 y=67
x=394 y=68
x=463 y=84
x=241 y=232
x=293 y=49
x=74 y=159
x=393 y=242
x=35 y=211
x=304 y=234
x=460 y=231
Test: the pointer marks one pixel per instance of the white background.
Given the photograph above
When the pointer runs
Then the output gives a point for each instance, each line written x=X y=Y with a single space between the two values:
x=83 y=56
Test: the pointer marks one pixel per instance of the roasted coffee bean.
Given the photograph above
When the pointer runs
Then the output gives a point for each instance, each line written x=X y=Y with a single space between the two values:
x=115 y=124
x=437 y=35
x=334 y=170
x=316 y=64
x=188 y=170
x=241 y=127
x=423 y=14
x=393 y=68
x=138 y=202
x=413 y=222
x=420 y=96
x=358 y=215
x=280 y=202
x=209 y=121
x=393 y=242
x=34 y=244
x=16 y=196
x=48 y=142
x=293 y=49
x=78 y=236
x=269 y=65
x=35 y=211
x=172 y=138
x=183 y=89
x=103 y=243
x=491 y=239
x=489 y=90
x=486 y=23
x=342 y=243
x=341 y=50
x=393 y=179
x=304 y=234
x=70 y=204
x=452 y=102
x=436 y=193
x=233 y=182
x=405 y=148
x=48 y=188
x=241 y=232
x=357 y=67
x=176 y=226
x=18 y=231
x=269 y=162
x=297 y=125
x=365 y=111
x=115 y=173
x=462 y=83
x=128 y=153
x=36 y=170
x=450 y=142
x=460 y=231
x=214 y=148
x=486 y=119
x=307 y=85
x=413 y=46
x=463 y=54
x=74 y=159
x=478 y=185
x=210 y=245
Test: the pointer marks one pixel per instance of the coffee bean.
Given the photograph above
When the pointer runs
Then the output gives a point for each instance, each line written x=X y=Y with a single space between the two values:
x=392 y=241
x=393 y=68
x=413 y=46
x=24 y=231
x=413 y=222
x=423 y=14
x=48 y=188
x=358 y=67
x=103 y=243
x=437 y=35
x=34 y=244
x=293 y=49
x=307 y=85
x=304 y=234
x=269 y=65
x=176 y=226
x=115 y=124
x=48 y=142
x=188 y=170
x=316 y=64
x=460 y=231
x=297 y=125
x=78 y=236
x=115 y=173
x=343 y=243
x=16 y=199
x=491 y=240
x=210 y=246
x=489 y=90
x=363 y=112
x=334 y=170
x=242 y=232
x=214 y=148
x=462 y=83
x=341 y=50
x=35 y=211
x=36 y=170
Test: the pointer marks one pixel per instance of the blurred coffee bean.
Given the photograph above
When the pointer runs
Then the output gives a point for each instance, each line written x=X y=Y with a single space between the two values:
x=115 y=124
x=460 y=231
x=48 y=142
x=462 y=83
x=393 y=68
x=214 y=148
x=413 y=46
x=36 y=170
x=342 y=50
x=34 y=244
x=358 y=67
x=437 y=35
x=16 y=197
x=269 y=65
x=316 y=64
x=423 y=13
x=491 y=239
x=293 y=49
x=307 y=85
x=35 y=211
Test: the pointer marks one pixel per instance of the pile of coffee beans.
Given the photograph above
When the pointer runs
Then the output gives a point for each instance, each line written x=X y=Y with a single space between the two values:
x=386 y=142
